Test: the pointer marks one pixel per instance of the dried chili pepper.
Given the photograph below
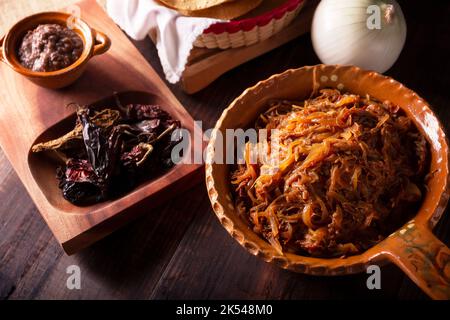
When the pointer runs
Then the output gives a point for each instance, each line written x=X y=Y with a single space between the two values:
x=78 y=182
x=109 y=152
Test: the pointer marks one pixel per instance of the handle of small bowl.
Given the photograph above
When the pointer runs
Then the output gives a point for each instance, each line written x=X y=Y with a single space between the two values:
x=102 y=43
x=1 y=48
x=424 y=258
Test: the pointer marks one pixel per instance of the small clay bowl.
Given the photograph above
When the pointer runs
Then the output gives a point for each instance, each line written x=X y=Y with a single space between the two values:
x=95 y=43
x=414 y=248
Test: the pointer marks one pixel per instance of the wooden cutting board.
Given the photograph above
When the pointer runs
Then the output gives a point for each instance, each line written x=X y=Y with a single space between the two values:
x=28 y=111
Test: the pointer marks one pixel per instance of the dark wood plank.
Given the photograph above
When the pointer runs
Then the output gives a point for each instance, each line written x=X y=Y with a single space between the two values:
x=180 y=250
x=209 y=264
x=125 y=265
x=24 y=235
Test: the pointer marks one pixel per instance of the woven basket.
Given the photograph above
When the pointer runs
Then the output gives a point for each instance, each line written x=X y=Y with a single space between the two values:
x=245 y=32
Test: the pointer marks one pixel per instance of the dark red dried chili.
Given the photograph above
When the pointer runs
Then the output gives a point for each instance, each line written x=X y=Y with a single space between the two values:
x=109 y=152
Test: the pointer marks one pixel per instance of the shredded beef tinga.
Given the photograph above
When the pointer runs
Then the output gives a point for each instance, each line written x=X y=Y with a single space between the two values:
x=350 y=170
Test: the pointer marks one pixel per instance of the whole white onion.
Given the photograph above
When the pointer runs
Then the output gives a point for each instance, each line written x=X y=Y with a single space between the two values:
x=366 y=33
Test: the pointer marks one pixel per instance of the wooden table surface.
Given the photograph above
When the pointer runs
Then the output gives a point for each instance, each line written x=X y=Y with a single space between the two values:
x=180 y=251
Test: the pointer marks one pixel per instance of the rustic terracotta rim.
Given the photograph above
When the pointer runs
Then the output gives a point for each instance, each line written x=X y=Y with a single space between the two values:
x=427 y=216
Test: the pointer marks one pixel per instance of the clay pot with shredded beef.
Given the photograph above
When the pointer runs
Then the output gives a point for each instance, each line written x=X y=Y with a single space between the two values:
x=342 y=173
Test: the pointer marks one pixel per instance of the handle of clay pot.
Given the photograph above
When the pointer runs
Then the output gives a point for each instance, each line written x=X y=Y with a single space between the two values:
x=424 y=258
x=102 y=43
x=1 y=48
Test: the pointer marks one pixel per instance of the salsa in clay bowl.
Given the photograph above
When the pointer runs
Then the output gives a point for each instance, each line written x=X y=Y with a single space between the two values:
x=50 y=52
x=50 y=47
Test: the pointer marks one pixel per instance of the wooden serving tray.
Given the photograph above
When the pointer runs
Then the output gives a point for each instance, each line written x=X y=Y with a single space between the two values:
x=29 y=113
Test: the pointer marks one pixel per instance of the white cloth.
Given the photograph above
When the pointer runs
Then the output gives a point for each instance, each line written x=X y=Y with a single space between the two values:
x=175 y=33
